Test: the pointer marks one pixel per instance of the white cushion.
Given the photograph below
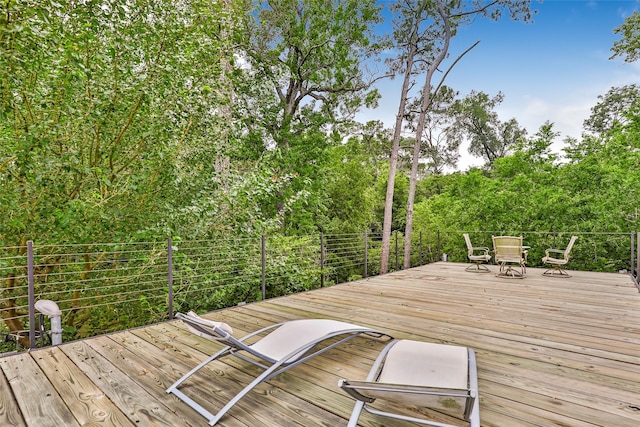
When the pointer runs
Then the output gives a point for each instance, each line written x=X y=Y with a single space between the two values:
x=426 y=364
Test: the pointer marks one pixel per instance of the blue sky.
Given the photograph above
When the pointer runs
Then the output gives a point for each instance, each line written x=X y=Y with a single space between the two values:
x=553 y=68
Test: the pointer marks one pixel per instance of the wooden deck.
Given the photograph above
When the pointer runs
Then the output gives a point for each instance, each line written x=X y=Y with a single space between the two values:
x=551 y=352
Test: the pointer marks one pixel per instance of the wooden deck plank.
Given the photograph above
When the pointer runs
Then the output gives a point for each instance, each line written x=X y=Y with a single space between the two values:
x=132 y=399
x=551 y=352
x=85 y=400
x=37 y=398
x=9 y=411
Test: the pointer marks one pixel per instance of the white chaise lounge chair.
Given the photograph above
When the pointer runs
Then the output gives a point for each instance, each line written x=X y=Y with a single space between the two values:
x=286 y=345
x=422 y=375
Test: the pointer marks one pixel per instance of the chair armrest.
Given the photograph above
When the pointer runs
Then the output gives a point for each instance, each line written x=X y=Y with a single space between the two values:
x=481 y=248
x=555 y=251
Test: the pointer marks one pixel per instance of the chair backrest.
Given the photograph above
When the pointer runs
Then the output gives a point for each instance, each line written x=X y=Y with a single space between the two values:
x=569 y=247
x=216 y=331
x=507 y=247
x=469 y=245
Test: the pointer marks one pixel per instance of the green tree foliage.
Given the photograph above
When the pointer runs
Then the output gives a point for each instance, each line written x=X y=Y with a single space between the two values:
x=530 y=190
x=308 y=58
x=629 y=46
x=104 y=106
x=489 y=138
x=203 y=120
x=304 y=76
x=100 y=103
x=349 y=187
x=612 y=108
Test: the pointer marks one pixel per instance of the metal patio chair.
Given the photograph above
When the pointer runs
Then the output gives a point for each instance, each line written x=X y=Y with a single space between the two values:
x=558 y=262
x=478 y=255
x=508 y=250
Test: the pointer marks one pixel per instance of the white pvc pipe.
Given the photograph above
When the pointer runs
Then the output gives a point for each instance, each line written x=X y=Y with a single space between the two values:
x=56 y=330
x=51 y=310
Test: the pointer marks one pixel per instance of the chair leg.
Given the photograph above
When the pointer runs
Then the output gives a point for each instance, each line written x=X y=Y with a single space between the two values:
x=477 y=268
x=355 y=414
x=225 y=351
x=556 y=271
x=260 y=378
x=508 y=271
x=214 y=418
x=371 y=376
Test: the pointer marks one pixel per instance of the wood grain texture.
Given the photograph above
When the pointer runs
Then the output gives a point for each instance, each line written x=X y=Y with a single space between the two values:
x=551 y=352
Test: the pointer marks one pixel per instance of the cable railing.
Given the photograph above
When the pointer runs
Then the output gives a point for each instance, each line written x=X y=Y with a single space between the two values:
x=106 y=287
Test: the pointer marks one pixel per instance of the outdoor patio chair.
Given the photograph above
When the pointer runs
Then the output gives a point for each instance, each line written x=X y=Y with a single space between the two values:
x=508 y=250
x=286 y=345
x=476 y=257
x=557 y=262
x=419 y=375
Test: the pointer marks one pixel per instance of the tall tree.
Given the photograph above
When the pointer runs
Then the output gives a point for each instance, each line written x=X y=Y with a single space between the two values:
x=429 y=27
x=443 y=27
x=410 y=40
x=476 y=119
x=305 y=72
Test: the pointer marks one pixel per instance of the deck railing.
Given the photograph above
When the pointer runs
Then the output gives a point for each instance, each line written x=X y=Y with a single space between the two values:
x=104 y=287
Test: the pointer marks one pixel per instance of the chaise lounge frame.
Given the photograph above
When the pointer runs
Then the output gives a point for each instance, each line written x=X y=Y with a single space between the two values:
x=424 y=380
x=287 y=344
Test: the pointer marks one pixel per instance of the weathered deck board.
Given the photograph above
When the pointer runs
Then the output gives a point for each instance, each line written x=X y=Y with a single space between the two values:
x=551 y=352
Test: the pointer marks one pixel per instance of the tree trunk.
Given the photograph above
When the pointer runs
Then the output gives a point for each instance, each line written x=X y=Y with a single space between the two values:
x=393 y=158
x=424 y=109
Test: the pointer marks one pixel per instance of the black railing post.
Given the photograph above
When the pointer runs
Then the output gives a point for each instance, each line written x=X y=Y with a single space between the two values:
x=366 y=253
x=32 y=295
x=633 y=255
x=322 y=260
x=637 y=256
x=420 y=254
x=263 y=257
x=170 y=275
x=439 y=254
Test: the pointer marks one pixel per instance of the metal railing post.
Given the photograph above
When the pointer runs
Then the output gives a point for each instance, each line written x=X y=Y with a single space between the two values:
x=263 y=245
x=170 y=275
x=366 y=253
x=633 y=255
x=420 y=254
x=32 y=295
x=438 y=247
x=322 y=260
x=637 y=255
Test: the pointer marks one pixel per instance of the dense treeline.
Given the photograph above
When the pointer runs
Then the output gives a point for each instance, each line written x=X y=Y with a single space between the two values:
x=139 y=120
